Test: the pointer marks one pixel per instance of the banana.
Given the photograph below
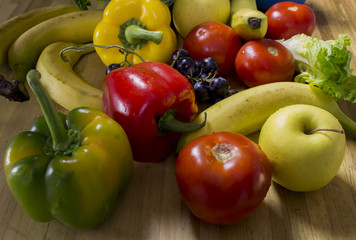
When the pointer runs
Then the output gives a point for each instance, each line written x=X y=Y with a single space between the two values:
x=245 y=112
x=247 y=21
x=77 y=27
x=62 y=84
x=11 y=29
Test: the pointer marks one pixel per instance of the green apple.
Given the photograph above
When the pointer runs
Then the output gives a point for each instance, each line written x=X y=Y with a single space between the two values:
x=305 y=145
x=189 y=13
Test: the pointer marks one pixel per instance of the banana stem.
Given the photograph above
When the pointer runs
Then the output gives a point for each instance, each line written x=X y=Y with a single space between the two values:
x=254 y=22
x=13 y=91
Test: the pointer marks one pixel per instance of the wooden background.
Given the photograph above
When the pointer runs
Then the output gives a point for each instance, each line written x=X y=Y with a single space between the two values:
x=151 y=207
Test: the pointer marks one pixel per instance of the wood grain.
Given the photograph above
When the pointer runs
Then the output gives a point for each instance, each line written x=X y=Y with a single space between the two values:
x=151 y=207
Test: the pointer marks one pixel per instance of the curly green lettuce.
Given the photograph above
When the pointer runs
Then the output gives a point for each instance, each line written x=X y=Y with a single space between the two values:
x=325 y=64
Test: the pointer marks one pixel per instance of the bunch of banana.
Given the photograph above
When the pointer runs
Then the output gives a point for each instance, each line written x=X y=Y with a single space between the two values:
x=62 y=84
x=76 y=27
x=247 y=111
x=11 y=29
x=247 y=21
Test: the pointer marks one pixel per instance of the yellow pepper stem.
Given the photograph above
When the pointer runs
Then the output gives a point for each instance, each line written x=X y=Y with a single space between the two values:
x=134 y=35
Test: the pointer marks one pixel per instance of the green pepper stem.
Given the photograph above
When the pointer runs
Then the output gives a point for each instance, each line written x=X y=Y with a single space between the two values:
x=134 y=34
x=58 y=132
x=168 y=122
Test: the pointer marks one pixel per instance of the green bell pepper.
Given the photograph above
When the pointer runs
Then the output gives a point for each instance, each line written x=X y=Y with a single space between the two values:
x=68 y=167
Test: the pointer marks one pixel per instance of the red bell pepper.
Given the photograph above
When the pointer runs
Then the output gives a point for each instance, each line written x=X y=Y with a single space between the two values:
x=144 y=99
x=152 y=102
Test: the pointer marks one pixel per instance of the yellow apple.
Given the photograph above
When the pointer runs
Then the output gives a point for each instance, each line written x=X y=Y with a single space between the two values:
x=305 y=146
x=189 y=13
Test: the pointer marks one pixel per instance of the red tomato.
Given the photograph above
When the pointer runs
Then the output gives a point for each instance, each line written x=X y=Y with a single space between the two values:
x=286 y=19
x=264 y=61
x=222 y=177
x=216 y=40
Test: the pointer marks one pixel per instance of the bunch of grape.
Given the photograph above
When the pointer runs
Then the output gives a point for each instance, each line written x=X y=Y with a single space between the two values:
x=202 y=74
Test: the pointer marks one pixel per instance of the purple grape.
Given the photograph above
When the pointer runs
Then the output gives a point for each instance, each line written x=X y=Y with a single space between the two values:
x=113 y=66
x=201 y=89
x=218 y=86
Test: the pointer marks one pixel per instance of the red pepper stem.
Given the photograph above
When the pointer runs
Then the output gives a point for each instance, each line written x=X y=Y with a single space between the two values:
x=168 y=122
x=134 y=34
x=61 y=139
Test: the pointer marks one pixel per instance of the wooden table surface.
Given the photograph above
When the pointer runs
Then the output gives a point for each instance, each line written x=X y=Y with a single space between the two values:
x=151 y=207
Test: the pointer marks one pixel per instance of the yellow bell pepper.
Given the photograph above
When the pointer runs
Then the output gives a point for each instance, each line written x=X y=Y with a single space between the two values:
x=142 y=26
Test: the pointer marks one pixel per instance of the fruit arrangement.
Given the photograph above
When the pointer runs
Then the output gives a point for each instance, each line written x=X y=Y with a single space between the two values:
x=161 y=67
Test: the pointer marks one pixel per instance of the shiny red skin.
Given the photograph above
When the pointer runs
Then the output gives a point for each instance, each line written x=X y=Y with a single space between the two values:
x=286 y=19
x=264 y=61
x=222 y=192
x=216 y=40
x=137 y=96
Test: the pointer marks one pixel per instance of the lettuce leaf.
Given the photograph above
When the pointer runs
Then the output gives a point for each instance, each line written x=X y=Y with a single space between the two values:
x=325 y=64
x=84 y=4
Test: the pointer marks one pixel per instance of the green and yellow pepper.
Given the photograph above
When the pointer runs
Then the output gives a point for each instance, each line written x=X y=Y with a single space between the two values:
x=139 y=25
x=68 y=167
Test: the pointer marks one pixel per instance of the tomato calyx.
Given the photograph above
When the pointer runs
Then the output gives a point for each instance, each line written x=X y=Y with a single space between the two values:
x=224 y=152
x=293 y=8
x=273 y=51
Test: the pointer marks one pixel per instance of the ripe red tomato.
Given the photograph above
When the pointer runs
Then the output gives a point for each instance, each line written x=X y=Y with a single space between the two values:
x=264 y=61
x=286 y=19
x=216 y=40
x=222 y=177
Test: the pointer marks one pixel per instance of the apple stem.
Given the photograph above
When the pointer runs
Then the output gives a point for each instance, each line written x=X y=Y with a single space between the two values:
x=327 y=129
